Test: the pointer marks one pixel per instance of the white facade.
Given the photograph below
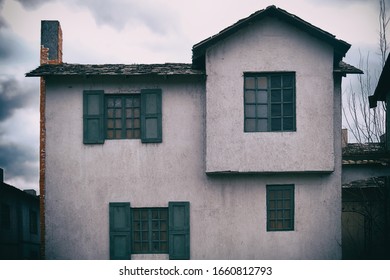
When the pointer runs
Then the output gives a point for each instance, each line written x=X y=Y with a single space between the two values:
x=205 y=157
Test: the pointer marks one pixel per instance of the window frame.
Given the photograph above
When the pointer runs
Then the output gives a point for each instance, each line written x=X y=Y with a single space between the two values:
x=123 y=118
x=285 y=217
x=269 y=103
x=150 y=230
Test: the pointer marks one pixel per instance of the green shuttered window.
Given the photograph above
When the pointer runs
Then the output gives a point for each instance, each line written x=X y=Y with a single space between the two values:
x=280 y=207
x=154 y=230
x=122 y=116
x=93 y=116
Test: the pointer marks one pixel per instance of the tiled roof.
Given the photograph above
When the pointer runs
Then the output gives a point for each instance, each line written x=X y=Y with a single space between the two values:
x=347 y=69
x=365 y=154
x=66 y=69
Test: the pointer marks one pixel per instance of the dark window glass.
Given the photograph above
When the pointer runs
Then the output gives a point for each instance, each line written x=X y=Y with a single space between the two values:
x=123 y=116
x=280 y=207
x=269 y=102
x=150 y=230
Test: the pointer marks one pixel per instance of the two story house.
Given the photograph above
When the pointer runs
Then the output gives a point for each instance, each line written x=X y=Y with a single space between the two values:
x=236 y=155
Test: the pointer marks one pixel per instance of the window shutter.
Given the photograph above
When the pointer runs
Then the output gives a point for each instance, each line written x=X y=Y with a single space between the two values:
x=151 y=117
x=179 y=230
x=93 y=117
x=120 y=242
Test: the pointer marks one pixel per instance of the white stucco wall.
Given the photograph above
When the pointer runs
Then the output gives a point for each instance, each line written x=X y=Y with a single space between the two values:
x=270 y=46
x=227 y=212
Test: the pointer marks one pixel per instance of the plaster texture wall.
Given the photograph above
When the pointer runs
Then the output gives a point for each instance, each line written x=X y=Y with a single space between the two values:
x=227 y=212
x=270 y=45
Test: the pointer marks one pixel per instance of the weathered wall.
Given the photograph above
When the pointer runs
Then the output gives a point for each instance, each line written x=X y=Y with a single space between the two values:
x=227 y=212
x=268 y=46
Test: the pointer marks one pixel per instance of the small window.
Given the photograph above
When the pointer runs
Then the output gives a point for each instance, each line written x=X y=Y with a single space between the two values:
x=280 y=207
x=33 y=222
x=150 y=230
x=5 y=216
x=269 y=102
x=122 y=116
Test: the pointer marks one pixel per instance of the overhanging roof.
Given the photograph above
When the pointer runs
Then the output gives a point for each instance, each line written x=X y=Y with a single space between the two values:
x=383 y=87
x=66 y=69
x=199 y=49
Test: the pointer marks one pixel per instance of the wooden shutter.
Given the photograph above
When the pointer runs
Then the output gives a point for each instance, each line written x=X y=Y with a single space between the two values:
x=151 y=117
x=120 y=237
x=179 y=230
x=93 y=117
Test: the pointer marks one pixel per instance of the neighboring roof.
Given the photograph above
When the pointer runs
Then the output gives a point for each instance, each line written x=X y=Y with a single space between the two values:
x=199 y=49
x=383 y=87
x=66 y=69
x=365 y=154
x=345 y=68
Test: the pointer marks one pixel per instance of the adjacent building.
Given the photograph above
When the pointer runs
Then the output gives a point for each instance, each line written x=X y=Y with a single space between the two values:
x=19 y=223
x=236 y=155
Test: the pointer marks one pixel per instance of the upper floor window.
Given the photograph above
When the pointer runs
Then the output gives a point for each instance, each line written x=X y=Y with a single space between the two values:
x=122 y=116
x=269 y=102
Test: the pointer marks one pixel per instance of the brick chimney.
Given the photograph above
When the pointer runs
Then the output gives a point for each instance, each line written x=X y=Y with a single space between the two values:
x=51 y=42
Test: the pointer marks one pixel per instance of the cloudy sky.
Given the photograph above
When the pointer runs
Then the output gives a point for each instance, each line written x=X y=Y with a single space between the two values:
x=133 y=31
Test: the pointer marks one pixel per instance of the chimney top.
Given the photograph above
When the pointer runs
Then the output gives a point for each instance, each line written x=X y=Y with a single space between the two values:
x=51 y=42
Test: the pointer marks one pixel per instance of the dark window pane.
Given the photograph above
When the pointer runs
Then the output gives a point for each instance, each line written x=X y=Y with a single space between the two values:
x=110 y=113
x=118 y=123
x=137 y=133
x=288 y=110
x=129 y=123
x=118 y=134
x=276 y=110
x=129 y=113
x=276 y=95
x=118 y=113
x=275 y=82
x=276 y=124
x=287 y=95
x=136 y=113
x=287 y=80
x=288 y=123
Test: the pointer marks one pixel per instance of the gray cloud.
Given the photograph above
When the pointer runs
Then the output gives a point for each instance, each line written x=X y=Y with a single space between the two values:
x=14 y=95
x=118 y=13
x=19 y=161
x=33 y=4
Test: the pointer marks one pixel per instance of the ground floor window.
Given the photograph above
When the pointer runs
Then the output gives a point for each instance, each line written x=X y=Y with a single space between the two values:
x=149 y=230
x=280 y=207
